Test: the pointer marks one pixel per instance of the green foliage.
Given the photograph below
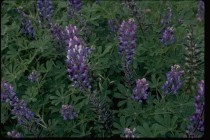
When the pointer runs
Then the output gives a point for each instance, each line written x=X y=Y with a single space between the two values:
x=108 y=110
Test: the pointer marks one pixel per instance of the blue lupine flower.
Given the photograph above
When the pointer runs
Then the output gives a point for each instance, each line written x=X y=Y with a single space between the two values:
x=128 y=133
x=201 y=11
x=74 y=6
x=173 y=82
x=127 y=40
x=57 y=33
x=44 y=8
x=14 y=134
x=7 y=93
x=197 y=119
x=26 y=27
x=33 y=76
x=23 y=114
x=19 y=109
x=76 y=59
x=140 y=91
x=166 y=18
x=167 y=36
x=67 y=111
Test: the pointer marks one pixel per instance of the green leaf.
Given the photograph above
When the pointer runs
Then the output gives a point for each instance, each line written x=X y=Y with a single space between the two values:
x=116 y=125
x=107 y=49
x=49 y=64
x=121 y=103
x=122 y=121
x=120 y=96
x=144 y=130
x=121 y=88
x=31 y=94
x=128 y=122
x=4 y=114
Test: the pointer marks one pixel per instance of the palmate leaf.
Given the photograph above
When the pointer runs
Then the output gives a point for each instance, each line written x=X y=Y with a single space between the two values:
x=52 y=123
x=119 y=95
x=121 y=88
x=124 y=123
x=82 y=131
x=4 y=114
x=167 y=122
x=155 y=82
x=31 y=94
x=146 y=131
x=60 y=97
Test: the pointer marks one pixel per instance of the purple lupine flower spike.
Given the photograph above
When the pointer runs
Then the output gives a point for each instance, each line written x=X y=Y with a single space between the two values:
x=167 y=36
x=19 y=109
x=74 y=5
x=173 y=82
x=76 y=59
x=57 y=33
x=26 y=27
x=166 y=19
x=14 y=134
x=44 y=8
x=127 y=40
x=67 y=111
x=128 y=133
x=201 y=11
x=197 y=119
x=8 y=95
x=33 y=76
x=140 y=91
x=23 y=114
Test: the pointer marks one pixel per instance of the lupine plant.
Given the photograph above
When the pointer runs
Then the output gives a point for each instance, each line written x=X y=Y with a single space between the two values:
x=74 y=6
x=99 y=68
x=45 y=9
x=26 y=26
x=173 y=82
x=14 y=134
x=200 y=13
x=127 y=47
x=197 y=119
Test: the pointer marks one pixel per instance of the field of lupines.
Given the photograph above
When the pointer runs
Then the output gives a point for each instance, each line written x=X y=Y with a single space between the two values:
x=102 y=68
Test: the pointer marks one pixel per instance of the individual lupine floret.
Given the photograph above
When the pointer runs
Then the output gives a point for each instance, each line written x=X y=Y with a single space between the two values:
x=127 y=39
x=197 y=119
x=14 y=134
x=140 y=91
x=33 y=76
x=44 y=8
x=173 y=82
x=128 y=133
x=166 y=19
x=76 y=59
x=26 y=27
x=74 y=6
x=201 y=11
x=167 y=36
x=67 y=111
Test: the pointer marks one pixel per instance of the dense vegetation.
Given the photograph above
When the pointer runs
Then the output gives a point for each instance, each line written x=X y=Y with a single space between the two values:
x=117 y=68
